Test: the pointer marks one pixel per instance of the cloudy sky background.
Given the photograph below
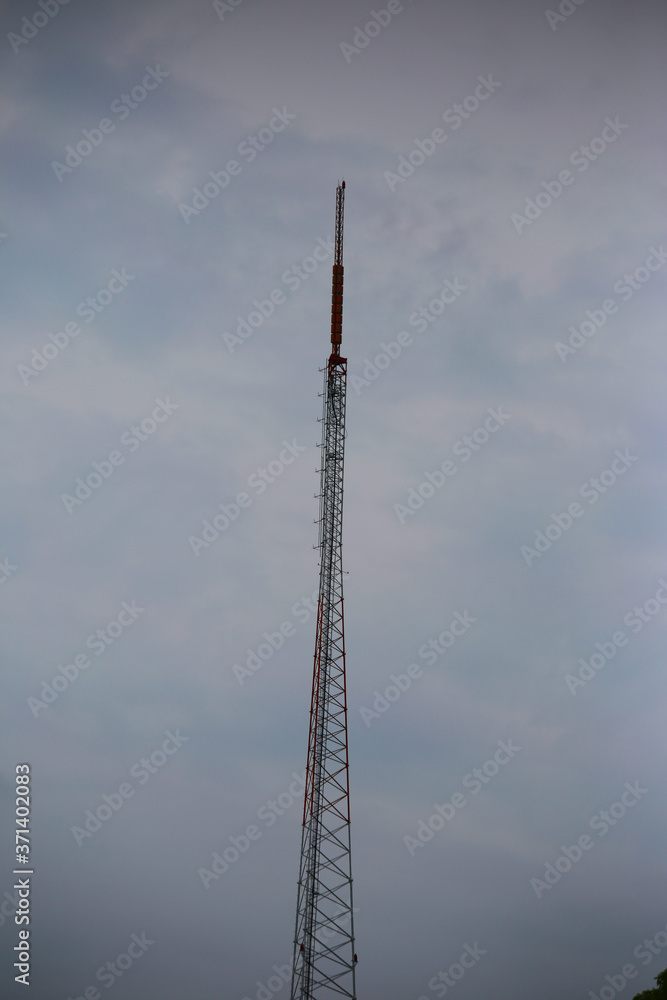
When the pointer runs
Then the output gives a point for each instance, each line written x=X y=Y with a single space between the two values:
x=162 y=337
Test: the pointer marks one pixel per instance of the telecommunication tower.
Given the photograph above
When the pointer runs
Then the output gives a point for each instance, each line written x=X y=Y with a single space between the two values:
x=324 y=958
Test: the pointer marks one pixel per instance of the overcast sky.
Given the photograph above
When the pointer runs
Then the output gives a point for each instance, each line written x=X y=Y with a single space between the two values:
x=163 y=335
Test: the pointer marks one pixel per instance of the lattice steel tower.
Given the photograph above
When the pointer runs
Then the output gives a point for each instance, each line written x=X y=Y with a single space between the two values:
x=324 y=958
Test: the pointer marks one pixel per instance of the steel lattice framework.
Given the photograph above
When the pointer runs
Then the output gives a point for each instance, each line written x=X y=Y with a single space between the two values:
x=324 y=958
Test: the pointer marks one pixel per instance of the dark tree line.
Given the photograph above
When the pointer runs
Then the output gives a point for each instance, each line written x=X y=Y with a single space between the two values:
x=659 y=993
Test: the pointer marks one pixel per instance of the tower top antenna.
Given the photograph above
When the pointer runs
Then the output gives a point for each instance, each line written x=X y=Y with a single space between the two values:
x=337 y=283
